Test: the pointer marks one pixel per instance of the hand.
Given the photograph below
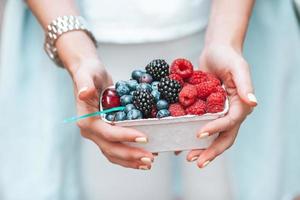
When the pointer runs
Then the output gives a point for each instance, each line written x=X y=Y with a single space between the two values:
x=90 y=78
x=228 y=65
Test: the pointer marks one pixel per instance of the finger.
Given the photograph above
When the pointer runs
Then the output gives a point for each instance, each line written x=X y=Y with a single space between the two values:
x=125 y=152
x=118 y=134
x=129 y=164
x=85 y=86
x=241 y=76
x=194 y=155
x=223 y=142
x=238 y=111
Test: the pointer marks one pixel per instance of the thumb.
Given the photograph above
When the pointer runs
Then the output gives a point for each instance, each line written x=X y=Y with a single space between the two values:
x=243 y=83
x=85 y=86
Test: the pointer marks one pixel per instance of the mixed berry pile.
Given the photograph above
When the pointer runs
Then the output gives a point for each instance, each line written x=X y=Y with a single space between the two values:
x=161 y=90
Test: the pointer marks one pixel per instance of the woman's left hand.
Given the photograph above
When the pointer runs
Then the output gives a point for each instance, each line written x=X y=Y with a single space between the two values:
x=228 y=65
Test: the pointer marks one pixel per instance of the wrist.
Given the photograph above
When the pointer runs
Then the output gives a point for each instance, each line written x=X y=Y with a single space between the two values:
x=216 y=44
x=75 y=48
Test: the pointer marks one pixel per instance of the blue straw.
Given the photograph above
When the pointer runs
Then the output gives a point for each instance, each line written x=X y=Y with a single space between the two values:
x=77 y=118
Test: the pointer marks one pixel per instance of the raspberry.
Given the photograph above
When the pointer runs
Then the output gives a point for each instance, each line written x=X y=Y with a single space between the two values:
x=205 y=89
x=197 y=77
x=221 y=90
x=182 y=67
x=213 y=78
x=198 y=108
x=177 y=78
x=215 y=102
x=188 y=95
x=176 y=110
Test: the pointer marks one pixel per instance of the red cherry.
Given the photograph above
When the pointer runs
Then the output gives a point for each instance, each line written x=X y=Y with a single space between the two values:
x=110 y=99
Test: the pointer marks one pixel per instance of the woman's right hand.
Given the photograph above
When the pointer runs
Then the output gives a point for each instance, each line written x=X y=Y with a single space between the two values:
x=90 y=78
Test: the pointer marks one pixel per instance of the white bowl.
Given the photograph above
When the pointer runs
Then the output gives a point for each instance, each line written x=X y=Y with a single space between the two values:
x=171 y=133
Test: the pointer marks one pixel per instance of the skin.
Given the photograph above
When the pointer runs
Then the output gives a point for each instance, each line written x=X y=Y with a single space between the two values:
x=221 y=56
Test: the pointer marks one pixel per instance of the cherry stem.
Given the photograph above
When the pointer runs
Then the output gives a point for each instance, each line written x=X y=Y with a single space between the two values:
x=77 y=118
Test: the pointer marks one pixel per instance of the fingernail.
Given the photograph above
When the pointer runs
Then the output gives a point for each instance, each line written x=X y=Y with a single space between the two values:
x=141 y=140
x=82 y=90
x=194 y=158
x=203 y=135
x=144 y=167
x=205 y=164
x=252 y=98
x=146 y=160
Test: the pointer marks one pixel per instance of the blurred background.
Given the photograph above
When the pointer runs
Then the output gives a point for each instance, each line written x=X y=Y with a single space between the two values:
x=263 y=164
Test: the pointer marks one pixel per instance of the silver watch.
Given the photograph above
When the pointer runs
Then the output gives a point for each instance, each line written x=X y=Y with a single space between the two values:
x=60 y=26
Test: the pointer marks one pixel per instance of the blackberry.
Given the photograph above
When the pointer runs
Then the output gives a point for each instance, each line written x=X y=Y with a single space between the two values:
x=143 y=101
x=169 y=89
x=158 y=69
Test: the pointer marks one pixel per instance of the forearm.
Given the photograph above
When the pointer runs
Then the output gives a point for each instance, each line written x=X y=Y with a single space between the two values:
x=228 y=22
x=73 y=47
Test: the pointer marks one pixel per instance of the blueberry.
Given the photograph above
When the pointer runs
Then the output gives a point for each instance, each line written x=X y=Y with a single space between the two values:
x=120 y=83
x=146 y=78
x=134 y=114
x=129 y=107
x=163 y=113
x=122 y=90
x=126 y=99
x=154 y=85
x=132 y=93
x=136 y=74
x=144 y=86
x=156 y=95
x=120 y=116
x=162 y=104
x=110 y=116
x=132 y=84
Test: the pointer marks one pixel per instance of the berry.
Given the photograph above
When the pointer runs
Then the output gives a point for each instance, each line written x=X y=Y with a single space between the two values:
x=122 y=90
x=132 y=92
x=120 y=83
x=153 y=112
x=146 y=78
x=126 y=99
x=154 y=85
x=162 y=104
x=156 y=95
x=144 y=86
x=144 y=101
x=110 y=116
x=213 y=78
x=221 y=90
x=110 y=99
x=198 y=108
x=129 y=107
x=188 y=95
x=134 y=114
x=132 y=84
x=205 y=89
x=158 y=69
x=136 y=74
x=169 y=89
x=120 y=116
x=163 y=113
x=182 y=67
x=176 y=110
x=197 y=77
x=177 y=78
x=215 y=102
